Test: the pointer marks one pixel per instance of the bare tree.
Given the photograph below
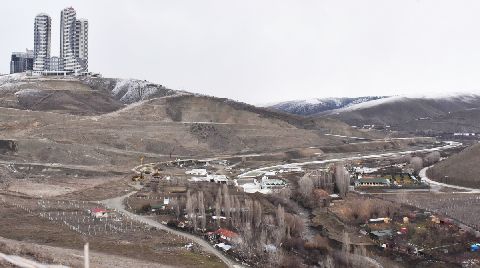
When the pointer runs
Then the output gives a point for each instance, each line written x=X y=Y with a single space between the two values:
x=248 y=215
x=305 y=186
x=201 y=209
x=285 y=193
x=342 y=179
x=218 y=205
x=189 y=205
x=176 y=206
x=346 y=246
x=194 y=212
x=257 y=214
x=416 y=163
x=226 y=201
x=280 y=235
x=431 y=158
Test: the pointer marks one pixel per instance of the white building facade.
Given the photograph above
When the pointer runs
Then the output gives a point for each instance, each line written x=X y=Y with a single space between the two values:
x=73 y=41
x=42 y=40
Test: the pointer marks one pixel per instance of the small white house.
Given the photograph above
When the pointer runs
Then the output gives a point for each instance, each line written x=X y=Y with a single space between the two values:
x=217 y=178
x=197 y=172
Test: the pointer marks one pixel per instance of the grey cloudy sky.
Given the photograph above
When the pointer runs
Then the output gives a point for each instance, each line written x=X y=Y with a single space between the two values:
x=266 y=51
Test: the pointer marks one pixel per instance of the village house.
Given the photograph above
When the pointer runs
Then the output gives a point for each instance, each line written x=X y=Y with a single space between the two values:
x=99 y=213
x=268 y=183
x=226 y=235
x=197 y=172
x=381 y=235
x=372 y=182
x=217 y=178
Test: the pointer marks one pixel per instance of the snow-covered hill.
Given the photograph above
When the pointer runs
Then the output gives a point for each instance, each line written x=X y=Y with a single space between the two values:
x=319 y=105
x=425 y=113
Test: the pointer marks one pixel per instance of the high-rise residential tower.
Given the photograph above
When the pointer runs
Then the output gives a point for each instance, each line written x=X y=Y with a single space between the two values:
x=81 y=52
x=73 y=41
x=42 y=39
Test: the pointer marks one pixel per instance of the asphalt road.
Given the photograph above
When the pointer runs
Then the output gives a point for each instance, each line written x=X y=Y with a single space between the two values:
x=436 y=186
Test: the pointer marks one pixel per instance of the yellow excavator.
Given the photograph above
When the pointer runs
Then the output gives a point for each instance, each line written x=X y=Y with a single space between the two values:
x=139 y=177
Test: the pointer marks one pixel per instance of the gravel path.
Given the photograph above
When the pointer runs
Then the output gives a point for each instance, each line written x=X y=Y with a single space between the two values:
x=117 y=203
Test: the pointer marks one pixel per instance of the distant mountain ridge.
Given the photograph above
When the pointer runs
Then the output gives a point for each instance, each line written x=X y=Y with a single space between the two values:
x=420 y=113
x=319 y=105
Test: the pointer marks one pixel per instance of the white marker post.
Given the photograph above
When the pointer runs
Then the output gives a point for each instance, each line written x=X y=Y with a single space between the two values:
x=86 y=260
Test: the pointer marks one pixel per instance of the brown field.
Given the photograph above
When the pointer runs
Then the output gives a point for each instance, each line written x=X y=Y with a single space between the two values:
x=21 y=221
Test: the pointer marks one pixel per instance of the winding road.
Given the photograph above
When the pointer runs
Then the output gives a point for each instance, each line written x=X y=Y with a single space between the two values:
x=447 y=145
x=117 y=203
x=436 y=186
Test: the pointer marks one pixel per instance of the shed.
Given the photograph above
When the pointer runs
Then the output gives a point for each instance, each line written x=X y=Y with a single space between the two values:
x=99 y=213
x=382 y=234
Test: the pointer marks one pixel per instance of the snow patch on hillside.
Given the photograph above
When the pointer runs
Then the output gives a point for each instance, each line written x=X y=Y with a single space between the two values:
x=319 y=105
x=10 y=80
x=28 y=93
x=463 y=96
x=133 y=90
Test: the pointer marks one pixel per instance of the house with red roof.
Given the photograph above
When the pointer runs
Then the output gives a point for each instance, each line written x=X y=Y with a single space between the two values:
x=99 y=212
x=226 y=235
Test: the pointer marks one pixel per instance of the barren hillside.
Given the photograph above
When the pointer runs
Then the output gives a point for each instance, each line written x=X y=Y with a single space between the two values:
x=455 y=113
x=112 y=122
x=460 y=169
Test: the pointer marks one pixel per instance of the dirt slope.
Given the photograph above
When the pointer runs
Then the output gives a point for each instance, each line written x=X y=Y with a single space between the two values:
x=112 y=122
x=462 y=169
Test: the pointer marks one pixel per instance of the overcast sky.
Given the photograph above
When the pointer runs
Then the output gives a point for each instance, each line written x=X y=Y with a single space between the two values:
x=267 y=51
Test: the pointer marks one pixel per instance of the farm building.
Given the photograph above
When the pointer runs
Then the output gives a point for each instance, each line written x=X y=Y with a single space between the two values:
x=226 y=235
x=197 y=172
x=99 y=213
x=217 y=178
x=272 y=183
x=381 y=235
x=373 y=182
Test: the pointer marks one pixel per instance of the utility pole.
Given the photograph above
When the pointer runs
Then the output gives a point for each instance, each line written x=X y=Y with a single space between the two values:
x=85 y=256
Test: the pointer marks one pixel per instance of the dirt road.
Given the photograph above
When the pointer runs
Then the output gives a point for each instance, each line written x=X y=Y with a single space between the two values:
x=117 y=203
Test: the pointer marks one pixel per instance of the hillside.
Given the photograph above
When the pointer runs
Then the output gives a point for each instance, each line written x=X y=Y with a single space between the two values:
x=426 y=114
x=315 y=106
x=462 y=169
x=111 y=122
x=82 y=96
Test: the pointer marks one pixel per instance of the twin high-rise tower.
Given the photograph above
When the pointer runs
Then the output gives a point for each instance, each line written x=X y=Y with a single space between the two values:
x=42 y=38
x=73 y=41
x=73 y=44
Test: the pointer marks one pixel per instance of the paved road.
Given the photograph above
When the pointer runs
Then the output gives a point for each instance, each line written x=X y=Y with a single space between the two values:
x=447 y=145
x=436 y=186
x=117 y=203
